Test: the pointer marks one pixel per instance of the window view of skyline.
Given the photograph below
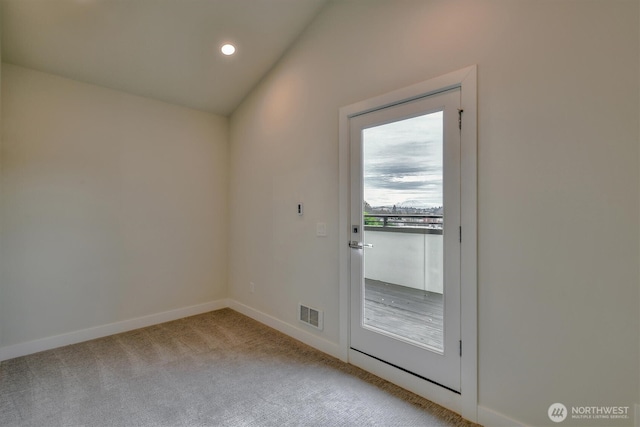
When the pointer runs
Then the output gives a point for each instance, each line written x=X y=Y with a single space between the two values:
x=403 y=163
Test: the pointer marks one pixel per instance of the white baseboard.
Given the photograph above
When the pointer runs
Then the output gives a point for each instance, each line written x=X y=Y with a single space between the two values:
x=35 y=346
x=490 y=418
x=288 y=329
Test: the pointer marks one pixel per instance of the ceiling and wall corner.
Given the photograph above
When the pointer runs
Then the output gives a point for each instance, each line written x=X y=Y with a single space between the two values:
x=161 y=49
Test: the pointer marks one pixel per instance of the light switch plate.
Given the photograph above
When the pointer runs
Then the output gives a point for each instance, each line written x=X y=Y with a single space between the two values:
x=321 y=229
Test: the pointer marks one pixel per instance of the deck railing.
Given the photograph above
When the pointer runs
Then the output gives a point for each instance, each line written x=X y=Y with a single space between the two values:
x=404 y=223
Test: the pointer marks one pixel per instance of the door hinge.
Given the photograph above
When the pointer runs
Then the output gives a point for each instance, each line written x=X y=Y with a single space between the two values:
x=460 y=234
x=460 y=111
x=460 y=348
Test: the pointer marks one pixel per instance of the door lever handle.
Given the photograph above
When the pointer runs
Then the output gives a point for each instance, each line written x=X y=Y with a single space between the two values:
x=353 y=244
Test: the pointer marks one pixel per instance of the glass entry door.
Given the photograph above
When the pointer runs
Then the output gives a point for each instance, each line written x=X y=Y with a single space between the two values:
x=405 y=245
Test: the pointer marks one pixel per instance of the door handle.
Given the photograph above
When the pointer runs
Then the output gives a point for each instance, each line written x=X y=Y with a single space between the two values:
x=359 y=245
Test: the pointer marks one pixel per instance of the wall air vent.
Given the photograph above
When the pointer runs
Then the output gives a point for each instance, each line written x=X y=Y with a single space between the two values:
x=311 y=316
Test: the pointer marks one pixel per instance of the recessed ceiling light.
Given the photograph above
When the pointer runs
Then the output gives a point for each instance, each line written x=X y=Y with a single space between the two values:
x=228 y=49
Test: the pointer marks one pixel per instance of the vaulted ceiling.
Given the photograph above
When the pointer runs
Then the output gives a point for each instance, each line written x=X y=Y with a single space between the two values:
x=163 y=49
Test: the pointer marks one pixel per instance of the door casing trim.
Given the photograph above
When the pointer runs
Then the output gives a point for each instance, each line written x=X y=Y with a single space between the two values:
x=466 y=403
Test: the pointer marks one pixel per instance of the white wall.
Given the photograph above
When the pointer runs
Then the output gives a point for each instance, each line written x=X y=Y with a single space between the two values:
x=114 y=206
x=558 y=181
x=1 y=291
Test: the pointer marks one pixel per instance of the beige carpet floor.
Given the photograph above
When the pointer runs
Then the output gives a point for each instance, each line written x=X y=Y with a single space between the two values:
x=215 y=369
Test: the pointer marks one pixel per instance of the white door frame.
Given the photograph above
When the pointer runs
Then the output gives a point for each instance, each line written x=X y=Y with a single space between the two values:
x=465 y=403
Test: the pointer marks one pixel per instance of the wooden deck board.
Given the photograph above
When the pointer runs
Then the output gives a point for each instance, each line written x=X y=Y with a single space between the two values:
x=410 y=313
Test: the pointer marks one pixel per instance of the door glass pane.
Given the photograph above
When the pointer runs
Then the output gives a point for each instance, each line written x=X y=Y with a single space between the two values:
x=403 y=221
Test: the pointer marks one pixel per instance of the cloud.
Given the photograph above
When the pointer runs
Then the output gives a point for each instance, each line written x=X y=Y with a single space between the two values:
x=403 y=161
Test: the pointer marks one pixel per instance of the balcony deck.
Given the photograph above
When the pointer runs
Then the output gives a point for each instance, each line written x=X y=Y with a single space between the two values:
x=407 y=312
